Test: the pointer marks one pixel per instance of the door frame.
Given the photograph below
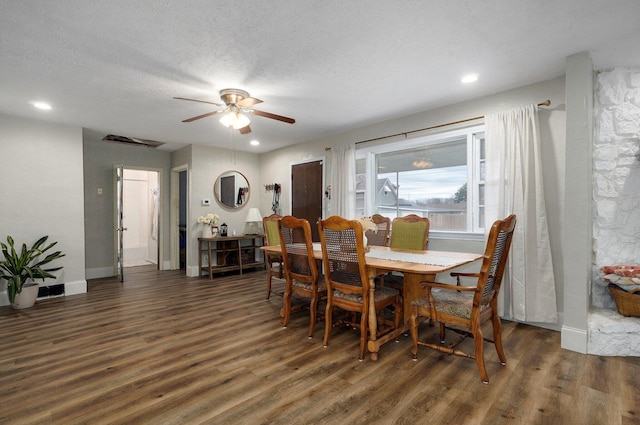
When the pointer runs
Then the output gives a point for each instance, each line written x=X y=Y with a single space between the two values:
x=323 y=160
x=174 y=262
x=118 y=206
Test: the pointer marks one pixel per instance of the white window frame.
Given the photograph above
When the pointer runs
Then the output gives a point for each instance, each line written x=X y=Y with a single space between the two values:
x=369 y=153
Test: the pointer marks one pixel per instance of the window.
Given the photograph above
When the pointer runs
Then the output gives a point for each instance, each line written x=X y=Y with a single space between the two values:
x=440 y=177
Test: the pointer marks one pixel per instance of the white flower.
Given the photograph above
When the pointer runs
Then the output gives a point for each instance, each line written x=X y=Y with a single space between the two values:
x=368 y=224
x=209 y=219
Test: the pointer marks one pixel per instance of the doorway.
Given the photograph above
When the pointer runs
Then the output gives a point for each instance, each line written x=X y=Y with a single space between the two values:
x=307 y=182
x=140 y=217
x=182 y=219
x=179 y=237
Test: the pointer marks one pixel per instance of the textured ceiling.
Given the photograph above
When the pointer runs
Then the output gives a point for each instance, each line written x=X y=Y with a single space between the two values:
x=114 y=66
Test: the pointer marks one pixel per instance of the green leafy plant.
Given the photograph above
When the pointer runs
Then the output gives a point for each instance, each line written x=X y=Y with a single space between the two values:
x=16 y=267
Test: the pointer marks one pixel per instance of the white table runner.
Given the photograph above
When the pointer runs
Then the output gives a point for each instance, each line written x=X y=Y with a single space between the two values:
x=430 y=259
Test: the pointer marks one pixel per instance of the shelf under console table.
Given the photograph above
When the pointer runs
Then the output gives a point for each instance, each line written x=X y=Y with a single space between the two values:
x=230 y=253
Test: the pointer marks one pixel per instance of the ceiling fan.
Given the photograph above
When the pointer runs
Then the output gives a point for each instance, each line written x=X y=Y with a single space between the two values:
x=236 y=102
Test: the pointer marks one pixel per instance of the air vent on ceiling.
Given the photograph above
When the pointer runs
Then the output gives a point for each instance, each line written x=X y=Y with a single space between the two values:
x=112 y=138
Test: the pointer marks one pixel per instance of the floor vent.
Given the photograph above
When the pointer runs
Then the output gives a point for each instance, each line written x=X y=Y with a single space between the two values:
x=51 y=291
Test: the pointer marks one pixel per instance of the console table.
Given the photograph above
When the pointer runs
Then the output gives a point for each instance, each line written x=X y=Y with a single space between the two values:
x=229 y=253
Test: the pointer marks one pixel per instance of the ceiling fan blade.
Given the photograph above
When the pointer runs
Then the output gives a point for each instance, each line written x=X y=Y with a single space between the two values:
x=208 y=114
x=273 y=116
x=201 y=101
x=245 y=130
x=248 y=101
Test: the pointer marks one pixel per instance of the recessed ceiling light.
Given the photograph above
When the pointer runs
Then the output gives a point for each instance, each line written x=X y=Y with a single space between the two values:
x=470 y=78
x=41 y=105
x=254 y=143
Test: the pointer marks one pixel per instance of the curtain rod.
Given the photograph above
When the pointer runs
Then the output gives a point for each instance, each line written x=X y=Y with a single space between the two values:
x=545 y=103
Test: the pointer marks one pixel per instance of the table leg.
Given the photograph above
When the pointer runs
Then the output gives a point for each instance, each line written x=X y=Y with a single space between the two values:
x=199 y=258
x=209 y=260
x=412 y=290
x=373 y=345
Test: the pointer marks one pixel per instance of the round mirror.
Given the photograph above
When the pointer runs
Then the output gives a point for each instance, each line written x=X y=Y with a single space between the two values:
x=231 y=189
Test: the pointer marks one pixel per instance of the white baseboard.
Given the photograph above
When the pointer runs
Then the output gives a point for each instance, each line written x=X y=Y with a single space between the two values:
x=70 y=288
x=574 y=339
x=192 y=271
x=77 y=287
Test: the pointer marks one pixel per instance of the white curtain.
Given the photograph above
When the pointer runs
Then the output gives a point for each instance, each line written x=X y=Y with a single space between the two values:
x=514 y=185
x=343 y=181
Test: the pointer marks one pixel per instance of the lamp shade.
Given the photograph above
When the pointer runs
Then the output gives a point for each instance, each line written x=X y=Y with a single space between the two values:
x=253 y=215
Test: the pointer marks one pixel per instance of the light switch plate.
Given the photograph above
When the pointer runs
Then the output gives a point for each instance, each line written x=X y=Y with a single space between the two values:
x=206 y=202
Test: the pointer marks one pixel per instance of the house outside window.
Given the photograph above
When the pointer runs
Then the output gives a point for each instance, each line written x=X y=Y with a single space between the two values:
x=438 y=176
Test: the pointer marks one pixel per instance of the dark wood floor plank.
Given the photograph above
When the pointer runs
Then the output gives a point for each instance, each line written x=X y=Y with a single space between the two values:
x=162 y=348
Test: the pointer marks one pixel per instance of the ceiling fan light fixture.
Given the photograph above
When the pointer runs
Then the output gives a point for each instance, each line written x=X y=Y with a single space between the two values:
x=234 y=119
x=241 y=121
x=236 y=102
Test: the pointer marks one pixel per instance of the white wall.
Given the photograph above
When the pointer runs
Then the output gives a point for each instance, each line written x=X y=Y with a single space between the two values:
x=206 y=164
x=576 y=234
x=42 y=193
x=99 y=161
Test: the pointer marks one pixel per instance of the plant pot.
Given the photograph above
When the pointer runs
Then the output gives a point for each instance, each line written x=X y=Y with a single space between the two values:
x=27 y=297
x=206 y=231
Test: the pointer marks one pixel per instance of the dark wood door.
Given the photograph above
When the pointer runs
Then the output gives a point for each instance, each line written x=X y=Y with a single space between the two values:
x=228 y=191
x=306 y=194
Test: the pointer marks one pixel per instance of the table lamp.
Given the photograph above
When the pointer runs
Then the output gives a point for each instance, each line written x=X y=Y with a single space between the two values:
x=253 y=218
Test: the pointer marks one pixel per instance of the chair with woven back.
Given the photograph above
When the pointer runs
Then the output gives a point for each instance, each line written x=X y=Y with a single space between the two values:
x=464 y=309
x=381 y=237
x=274 y=262
x=408 y=232
x=301 y=271
x=347 y=281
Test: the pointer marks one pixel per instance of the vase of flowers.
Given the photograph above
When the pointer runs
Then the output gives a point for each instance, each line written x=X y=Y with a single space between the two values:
x=367 y=224
x=208 y=221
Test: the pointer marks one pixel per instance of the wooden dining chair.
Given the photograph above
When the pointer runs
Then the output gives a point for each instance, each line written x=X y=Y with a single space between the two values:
x=301 y=271
x=408 y=232
x=380 y=237
x=274 y=262
x=464 y=309
x=347 y=282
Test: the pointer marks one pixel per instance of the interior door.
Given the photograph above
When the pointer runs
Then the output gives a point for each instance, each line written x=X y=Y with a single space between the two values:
x=228 y=190
x=306 y=194
x=119 y=192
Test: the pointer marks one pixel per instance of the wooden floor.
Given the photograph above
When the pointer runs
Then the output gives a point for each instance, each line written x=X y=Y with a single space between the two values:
x=165 y=349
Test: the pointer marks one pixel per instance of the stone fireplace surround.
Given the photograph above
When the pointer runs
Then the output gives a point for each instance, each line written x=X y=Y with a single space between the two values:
x=616 y=200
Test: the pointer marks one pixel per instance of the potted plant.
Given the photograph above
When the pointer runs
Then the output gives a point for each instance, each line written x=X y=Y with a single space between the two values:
x=21 y=268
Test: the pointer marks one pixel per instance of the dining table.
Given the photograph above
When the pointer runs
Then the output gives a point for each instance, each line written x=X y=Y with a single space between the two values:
x=417 y=266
